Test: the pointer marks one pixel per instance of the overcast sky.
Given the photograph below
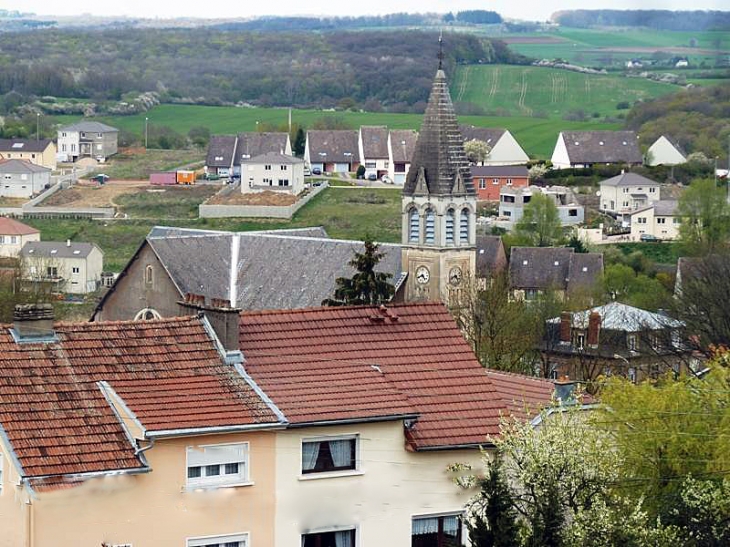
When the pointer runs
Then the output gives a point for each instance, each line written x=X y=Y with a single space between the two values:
x=521 y=9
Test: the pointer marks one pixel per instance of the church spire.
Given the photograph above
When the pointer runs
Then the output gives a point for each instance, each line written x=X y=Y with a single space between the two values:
x=439 y=158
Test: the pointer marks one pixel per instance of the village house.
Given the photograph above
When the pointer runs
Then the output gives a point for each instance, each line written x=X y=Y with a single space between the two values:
x=614 y=339
x=13 y=235
x=219 y=158
x=69 y=267
x=332 y=151
x=373 y=149
x=272 y=171
x=87 y=139
x=504 y=148
x=512 y=202
x=37 y=151
x=659 y=221
x=22 y=179
x=227 y=152
x=625 y=193
x=490 y=179
x=401 y=144
x=588 y=148
x=665 y=152
x=491 y=257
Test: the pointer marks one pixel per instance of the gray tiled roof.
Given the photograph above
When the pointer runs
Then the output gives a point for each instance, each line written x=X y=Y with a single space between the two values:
x=490 y=135
x=57 y=249
x=275 y=157
x=220 y=146
x=273 y=270
x=622 y=317
x=629 y=179
x=490 y=252
x=254 y=144
x=90 y=127
x=403 y=143
x=559 y=268
x=585 y=271
x=499 y=171
x=24 y=145
x=335 y=144
x=602 y=146
x=374 y=141
x=439 y=154
x=662 y=208
x=21 y=166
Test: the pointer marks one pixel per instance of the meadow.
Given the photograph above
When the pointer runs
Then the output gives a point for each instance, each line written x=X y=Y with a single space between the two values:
x=550 y=92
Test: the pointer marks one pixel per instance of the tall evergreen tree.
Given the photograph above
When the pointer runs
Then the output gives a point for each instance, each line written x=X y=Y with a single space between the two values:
x=300 y=141
x=366 y=287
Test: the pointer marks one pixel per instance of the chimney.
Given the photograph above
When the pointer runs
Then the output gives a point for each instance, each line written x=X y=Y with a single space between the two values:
x=565 y=327
x=33 y=323
x=224 y=319
x=565 y=389
x=594 y=327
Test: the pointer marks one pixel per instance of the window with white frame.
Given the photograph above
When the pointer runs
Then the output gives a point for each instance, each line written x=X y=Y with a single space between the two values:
x=482 y=184
x=327 y=454
x=661 y=220
x=436 y=531
x=232 y=540
x=631 y=342
x=217 y=465
x=339 y=538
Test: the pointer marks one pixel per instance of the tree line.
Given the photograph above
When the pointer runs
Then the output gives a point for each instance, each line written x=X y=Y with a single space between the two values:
x=654 y=19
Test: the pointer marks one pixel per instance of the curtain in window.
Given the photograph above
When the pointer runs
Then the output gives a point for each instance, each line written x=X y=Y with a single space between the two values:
x=344 y=538
x=413 y=225
x=464 y=226
x=451 y=526
x=430 y=232
x=425 y=526
x=450 y=227
x=310 y=452
x=341 y=454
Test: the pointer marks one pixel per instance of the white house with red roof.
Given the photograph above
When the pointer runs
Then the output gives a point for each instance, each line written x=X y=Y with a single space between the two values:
x=15 y=234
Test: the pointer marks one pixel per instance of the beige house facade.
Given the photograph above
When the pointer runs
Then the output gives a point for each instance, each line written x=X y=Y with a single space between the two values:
x=272 y=171
x=87 y=139
x=661 y=220
x=625 y=193
x=39 y=152
x=13 y=235
x=70 y=267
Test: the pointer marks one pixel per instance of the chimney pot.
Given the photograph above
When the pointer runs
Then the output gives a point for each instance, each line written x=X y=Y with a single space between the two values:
x=33 y=321
x=594 y=327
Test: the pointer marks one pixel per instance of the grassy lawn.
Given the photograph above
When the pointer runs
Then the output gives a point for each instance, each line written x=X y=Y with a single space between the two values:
x=138 y=166
x=661 y=253
x=166 y=202
x=550 y=91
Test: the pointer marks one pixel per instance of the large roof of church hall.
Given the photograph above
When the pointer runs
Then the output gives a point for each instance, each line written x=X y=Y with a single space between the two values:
x=440 y=147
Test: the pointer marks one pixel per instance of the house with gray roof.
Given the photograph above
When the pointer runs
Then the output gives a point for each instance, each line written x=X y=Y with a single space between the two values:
x=87 y=139
x=659 y=221
x=373 y=150
x=66 y=267
x=278 y=269
x=401 y=144
x=38 y=151
x=588 y=148
x=332 y=150
x=227 y=152
x=272 y=171
x=22 y=179
x=219 y=158
x=491 y=259
x=504 y=148
x=625 y=193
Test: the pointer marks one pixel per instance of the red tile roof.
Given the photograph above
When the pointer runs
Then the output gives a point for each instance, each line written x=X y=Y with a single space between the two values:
x=168 y=372
x=419 y=350
x=11 y=227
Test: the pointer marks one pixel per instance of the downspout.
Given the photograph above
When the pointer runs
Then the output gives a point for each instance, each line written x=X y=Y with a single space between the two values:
x=29 y=523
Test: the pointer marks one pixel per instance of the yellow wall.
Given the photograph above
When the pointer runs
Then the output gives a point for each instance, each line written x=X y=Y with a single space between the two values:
x=47 y=158
x=13 y=509
x=154 y=508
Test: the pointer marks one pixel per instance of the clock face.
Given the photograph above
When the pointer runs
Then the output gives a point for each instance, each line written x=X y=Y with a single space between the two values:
x=455 y=275
x=422 y=275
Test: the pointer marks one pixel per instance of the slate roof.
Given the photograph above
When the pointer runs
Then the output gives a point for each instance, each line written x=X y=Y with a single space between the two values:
x=374 y=141
x=90 y=127
x=439 y=155
x=46 y=249
x=221 y=146
x=662 y=208
x=490 y=135
x=275 y=270
x=629 y=179
x=254 y=144
x=499 y=171
x=403 y=144
x=417 y=348
x=275 y=157
x=24 y=145
x=490 y=256
x=11 y=227
x=168 y=372
x=334 y=143
x=602 y=146
x=21 y=166
x=560 y=268
x=622 y=317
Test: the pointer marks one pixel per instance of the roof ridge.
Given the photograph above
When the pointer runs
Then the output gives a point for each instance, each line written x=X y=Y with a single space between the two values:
x=317 y=309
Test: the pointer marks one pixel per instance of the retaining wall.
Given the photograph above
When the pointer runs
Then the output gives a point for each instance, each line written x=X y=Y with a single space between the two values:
x=256 y=211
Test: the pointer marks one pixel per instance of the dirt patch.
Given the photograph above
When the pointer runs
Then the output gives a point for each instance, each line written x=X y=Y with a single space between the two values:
x=12 y=202
x=532 y=40
x=268 y=197
x=89 y=195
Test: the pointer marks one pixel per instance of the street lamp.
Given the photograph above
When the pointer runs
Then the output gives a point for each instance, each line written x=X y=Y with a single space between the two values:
x=145 y=132
x=37 y=126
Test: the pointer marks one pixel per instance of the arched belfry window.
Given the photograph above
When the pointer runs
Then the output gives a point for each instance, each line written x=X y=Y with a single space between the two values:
x=147 y=314
x=413 y=225
x=450 y=226
x=430 y=231
x=148 y=274
x=464 y=226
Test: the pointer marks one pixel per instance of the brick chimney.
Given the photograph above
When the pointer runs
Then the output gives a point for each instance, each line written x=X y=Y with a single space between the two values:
x=594 y=327
x=565 y=327
x=224 y=319
x=33 y=323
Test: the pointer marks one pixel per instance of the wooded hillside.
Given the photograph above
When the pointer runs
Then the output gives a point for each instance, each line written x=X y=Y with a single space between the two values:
x=655 y=19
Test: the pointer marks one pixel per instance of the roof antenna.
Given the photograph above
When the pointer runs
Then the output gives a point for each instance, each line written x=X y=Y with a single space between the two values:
x=441 y=49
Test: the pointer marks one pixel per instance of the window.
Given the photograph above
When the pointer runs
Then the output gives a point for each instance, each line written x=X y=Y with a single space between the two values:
x=652 y=190
x=341 y=538
x=99 y=135
x=482 y=184
x=236 y=540
x=450 y=227
x=63 y=134
x=495 y=181
x=369 y=165
x=661 y=220
x=8 y=177
x=626 y=190
x=283 y=167
x=572 y=212
x=13 y=239
x=436 y=531
x=531 y=294
x=218 y=465
x=625 y=203
x=464 y=227
x=385 y=165
x=580 y=341
x=509 y=182
x=413 y=225
x=75 y=269
x=63 y=147
x=73 y=148
x=52 y=271
x=267 y=168
x=23 y=177
x=641 y=220
x=98 y=147
x=148 y=271
x=508 y=199
x=631 y=342
x=325 y=455
x=676 y=220
x=430 y=231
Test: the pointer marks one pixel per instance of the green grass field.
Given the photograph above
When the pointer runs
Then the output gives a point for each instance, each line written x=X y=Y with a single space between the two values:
x=537 y=136
x=139 y=166
x=554 y=92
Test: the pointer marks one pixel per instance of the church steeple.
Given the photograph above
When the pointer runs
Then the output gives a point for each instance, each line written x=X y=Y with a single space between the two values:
x=439 y=156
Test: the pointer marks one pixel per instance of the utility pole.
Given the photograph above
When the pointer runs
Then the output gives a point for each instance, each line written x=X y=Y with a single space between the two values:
x=145 y=132
x=37 y=126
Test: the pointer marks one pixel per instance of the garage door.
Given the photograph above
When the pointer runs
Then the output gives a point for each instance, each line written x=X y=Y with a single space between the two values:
x=342 y=167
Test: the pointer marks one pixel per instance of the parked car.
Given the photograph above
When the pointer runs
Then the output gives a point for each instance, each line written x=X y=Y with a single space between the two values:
x=648 y=237
x=386 y=179
x=372 y=176
x=316 y=171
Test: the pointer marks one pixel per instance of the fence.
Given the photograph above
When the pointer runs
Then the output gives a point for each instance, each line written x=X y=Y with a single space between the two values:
x=255 y=211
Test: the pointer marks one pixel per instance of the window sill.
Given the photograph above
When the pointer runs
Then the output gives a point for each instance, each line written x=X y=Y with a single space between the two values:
x=205 y=487
x=331 y=475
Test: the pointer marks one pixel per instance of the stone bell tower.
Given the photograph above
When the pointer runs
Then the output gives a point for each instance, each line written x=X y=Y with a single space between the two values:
x=438 y=204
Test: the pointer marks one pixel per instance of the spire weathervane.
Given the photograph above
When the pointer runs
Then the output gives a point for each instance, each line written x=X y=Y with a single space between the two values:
x=441 y=49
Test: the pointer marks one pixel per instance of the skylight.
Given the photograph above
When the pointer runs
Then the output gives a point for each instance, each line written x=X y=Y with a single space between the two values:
x=18 y=144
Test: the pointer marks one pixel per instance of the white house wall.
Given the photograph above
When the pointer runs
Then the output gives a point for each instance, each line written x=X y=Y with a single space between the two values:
x=10 y=245
x=507 y=151
x=560 y=158
x=663 y=152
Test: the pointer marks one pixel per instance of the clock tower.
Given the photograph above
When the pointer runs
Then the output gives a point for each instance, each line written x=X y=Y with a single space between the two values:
x=438 y=204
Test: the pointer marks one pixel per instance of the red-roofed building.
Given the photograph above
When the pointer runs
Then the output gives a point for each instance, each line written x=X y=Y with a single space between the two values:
x=13 y=235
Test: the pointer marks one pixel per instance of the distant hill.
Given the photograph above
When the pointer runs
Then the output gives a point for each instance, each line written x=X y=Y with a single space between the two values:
x=654 y=19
